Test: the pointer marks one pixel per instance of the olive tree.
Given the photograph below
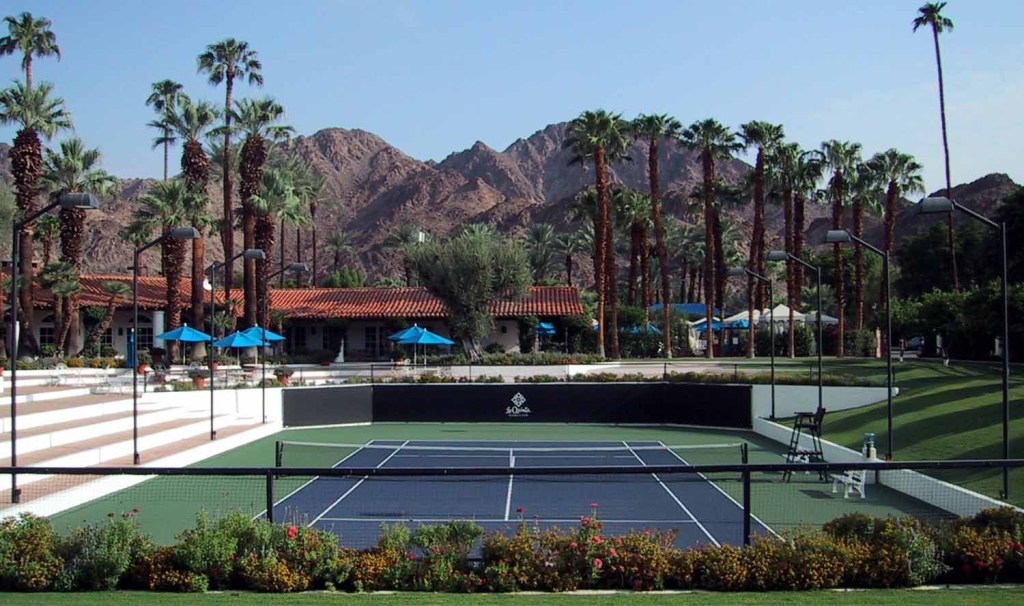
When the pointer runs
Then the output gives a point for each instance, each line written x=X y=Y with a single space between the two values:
x=469 y=272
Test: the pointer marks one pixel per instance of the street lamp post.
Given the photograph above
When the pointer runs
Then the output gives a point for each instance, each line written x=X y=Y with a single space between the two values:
x=945 y=205
x=743 y=271
x=211 y=272
x=68 y=201
x=841 y=236
x=178 y=233
x=296 y=267
x=781 y=255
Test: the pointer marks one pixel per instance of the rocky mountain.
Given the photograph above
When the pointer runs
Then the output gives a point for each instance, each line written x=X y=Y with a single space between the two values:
x=373 y=187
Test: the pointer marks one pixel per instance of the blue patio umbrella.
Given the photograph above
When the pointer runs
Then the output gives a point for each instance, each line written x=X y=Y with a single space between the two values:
x=650 y=329
x=185 y=333
x=238 y=340
x=262 y=334
x=424 y=337
x=405 y=333
x=545 y=328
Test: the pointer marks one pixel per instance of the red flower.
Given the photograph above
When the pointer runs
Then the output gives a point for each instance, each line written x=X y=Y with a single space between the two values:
x=135 y=510
x=647 y=533
x=598 y=563
x=519 y=510
x=597 y=539
x=593 y=505
x=982 y=564
x=293 y=532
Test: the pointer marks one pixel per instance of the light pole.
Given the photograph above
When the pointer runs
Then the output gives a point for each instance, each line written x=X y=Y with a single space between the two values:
x=781 y=255
x=945 y=205
x=841 y=236
x=178 y=233
x=69 y=201
x=211 y=272
x=743 y=271
x=296 y=267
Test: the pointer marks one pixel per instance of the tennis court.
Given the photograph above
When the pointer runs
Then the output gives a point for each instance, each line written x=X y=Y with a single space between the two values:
x=354 y=507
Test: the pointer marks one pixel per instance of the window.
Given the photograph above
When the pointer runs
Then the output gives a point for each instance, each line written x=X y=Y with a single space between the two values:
x=47 y=335
x=299 y=338
x=145 y=337
x=370 y=338
x=107 y=339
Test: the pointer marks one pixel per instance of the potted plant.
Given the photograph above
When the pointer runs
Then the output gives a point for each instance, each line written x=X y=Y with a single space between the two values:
x=144 y=360
x=199 y=376
x=284 y=374
x=161 y=372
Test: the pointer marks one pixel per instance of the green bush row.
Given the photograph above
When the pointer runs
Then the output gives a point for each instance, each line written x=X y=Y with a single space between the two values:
x=237 y=552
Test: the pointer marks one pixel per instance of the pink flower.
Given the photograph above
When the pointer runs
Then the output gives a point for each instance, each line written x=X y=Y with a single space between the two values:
x=593 y=505
x=597 y=539
x=573 y=545
x=612 y=552
x=598 y=563
x=647 y=533
x=293 y=532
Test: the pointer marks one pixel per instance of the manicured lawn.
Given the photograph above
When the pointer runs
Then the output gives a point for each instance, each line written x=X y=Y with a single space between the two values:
x=971 y=596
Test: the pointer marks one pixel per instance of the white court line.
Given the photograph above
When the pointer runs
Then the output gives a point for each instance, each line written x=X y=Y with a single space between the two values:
x=357 y=485
x=719 y=489
x=311 y=480
x=674 y=497
x=500 y=520
x=508 y=496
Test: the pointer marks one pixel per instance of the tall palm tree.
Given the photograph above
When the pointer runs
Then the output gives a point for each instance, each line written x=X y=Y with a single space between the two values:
x=865 y=188
x=809 y=169
x=74 y=168
x=784 y=173
x=191 y=122
x=62 y=280
x=634 y=210
x=36 y=113
x=164 y=100
x=310 y=187
x=840 y=157
x=46 y=233
x=339 y=244
x=764 y=136
x=276 y=197
x=600 y=136
x=224 y=61
x=116 y=291
x=653 y=128
x=931 y=15
x=258 y=121
x=713 y=142
x=402 y=238
x=32 y=38
x=163 y=207
x=568 y=244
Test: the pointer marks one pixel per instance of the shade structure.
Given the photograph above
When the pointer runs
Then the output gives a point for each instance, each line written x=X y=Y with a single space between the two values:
x=425 y=337
x=545 y=328
x=716 y=325
x=185 y=333
x=826 y=320
x=405 y=332
x=238 y=339
x=262 y=334
x=649 y=329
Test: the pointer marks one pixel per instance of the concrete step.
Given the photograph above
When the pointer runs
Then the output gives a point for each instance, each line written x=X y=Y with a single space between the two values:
x=82 y=408
x=46 y=392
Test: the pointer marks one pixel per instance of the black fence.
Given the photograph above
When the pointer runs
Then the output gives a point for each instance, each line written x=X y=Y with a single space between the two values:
x=655 y=402
x=751 y=499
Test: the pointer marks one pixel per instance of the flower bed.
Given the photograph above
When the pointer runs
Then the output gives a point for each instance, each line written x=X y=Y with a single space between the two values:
x=237 y=552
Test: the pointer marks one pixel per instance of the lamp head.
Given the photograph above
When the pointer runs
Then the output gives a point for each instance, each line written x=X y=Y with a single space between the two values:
x=184 y=233
x=778 y=255
x=254 y=253
x=298 y=267
x=934 y=205
x=837 y=236
x=737 y=271
x=79 y=200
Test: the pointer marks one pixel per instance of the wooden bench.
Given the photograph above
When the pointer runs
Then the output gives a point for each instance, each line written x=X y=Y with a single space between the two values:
x=852 y=481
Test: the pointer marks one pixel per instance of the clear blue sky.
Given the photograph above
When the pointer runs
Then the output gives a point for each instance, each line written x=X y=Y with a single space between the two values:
x=433 y=77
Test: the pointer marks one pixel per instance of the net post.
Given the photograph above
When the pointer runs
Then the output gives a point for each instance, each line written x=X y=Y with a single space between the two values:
x=744 y=454
x=270 y=496
x=278 y=453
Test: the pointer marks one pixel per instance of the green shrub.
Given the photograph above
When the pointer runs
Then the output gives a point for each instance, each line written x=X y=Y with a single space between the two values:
x=208 y=549
x=28 y=554
x=96 y=557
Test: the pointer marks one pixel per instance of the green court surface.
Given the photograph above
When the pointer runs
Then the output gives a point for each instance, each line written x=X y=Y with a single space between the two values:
x=167 y=505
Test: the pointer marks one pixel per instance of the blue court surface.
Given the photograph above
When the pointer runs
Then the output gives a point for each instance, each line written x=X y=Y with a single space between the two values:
x=355 y=507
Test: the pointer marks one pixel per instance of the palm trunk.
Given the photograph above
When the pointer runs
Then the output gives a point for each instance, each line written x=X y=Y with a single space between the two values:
x=660 y=248
x=312 y=236
x=645 y=274
x=26 y=165
x=721 y=271
x=227 y=233
x=610 y=281
x=858 y=260
x=568 y=269
x=755 y=298
x=47 y=251
x=280 y=268
x=892 y=196
x=798 y=248
x=265 y=240
x=175 y=255
x=167 y=151
x=945 y=149
x=198 y=309
x=634 y=253
x=298 y=253
x=709 y=248
x=93 y=342
x=787 y=212
x=837 y=250
x=600 y=217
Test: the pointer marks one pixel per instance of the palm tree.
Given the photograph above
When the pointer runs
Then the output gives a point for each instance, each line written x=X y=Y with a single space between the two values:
x=310 y=188
x=652 y=128
x=164 y=100
x=634 y=210
x=568 y=244
x=339 y=243
x=840 y=157
x=277 y=196
x=257 y=120
x=62 y=280
x=866 y=189
x=32 y=38
x=931 y=15
x=784 y=173
x=191 y=122
x=36 y=113
x=164 y=206
x=74 y=169
x=540 y=245
x=46 y=233
x=403 y=237
x=809 y=169
x=765 y=137
x=224 y=61
x=601 y=136
x=116 y=291
x=713 y=142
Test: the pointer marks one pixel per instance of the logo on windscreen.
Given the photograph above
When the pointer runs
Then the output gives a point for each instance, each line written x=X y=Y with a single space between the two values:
x=519 y=407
